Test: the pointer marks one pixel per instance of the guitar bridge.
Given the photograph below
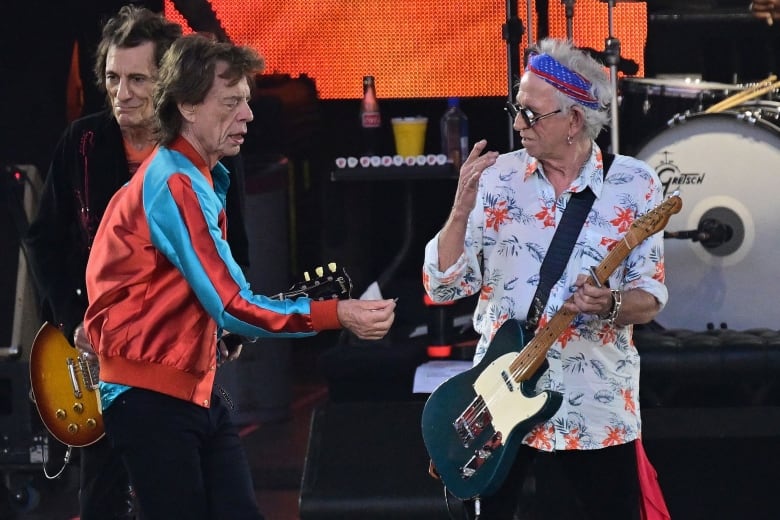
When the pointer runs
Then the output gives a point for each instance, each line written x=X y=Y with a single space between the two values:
x=472 y=422
x=481 y=456
x=89 y=372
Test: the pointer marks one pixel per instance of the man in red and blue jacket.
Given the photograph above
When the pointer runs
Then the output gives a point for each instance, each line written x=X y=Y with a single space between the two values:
x=162 y=285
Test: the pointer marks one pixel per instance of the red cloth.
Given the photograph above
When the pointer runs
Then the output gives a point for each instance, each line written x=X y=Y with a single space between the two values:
x=652 y=504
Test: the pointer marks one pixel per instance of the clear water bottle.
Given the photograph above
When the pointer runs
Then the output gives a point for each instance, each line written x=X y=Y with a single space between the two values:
x=370 y=117
x=455 y=133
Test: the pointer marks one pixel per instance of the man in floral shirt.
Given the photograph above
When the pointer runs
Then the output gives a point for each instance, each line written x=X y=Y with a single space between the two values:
x=506 y=210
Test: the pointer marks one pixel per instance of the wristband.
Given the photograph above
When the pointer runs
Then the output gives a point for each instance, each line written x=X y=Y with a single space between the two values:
x=617 y=301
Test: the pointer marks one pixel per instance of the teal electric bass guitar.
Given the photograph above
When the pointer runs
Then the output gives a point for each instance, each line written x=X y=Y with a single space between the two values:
x=474 y=422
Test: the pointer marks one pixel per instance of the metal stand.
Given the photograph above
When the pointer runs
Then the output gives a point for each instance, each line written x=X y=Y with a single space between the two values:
x=512 y=32
x=569 y=5
x=542 y=19
x=612 y=59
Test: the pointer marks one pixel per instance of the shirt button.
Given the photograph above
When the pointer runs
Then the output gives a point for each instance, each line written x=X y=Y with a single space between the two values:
x=206 y=402
x=213 y=367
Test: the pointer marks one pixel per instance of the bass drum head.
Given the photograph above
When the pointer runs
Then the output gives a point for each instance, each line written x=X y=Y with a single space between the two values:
x=727 y=167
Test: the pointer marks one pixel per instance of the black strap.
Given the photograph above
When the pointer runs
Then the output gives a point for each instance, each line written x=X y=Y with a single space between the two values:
x=562 y=245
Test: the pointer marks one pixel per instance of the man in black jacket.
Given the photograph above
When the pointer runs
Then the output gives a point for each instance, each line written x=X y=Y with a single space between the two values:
x=95 y=156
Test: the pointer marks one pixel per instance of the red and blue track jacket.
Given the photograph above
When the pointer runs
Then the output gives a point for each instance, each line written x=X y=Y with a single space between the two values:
x=161 y=281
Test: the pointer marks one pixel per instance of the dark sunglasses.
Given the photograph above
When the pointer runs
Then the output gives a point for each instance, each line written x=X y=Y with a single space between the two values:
x=528 y=115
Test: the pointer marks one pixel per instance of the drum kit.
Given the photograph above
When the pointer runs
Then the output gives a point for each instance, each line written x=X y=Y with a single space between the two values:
x=724 y=157
x=719 y=145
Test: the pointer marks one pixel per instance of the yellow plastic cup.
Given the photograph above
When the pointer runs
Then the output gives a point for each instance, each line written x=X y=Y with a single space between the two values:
x=409 y=133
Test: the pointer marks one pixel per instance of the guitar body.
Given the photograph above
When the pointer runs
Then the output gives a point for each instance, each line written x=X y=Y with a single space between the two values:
x=64 y=386
x=473 y=423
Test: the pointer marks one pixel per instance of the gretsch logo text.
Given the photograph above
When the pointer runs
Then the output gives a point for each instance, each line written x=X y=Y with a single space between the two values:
x=671 y=176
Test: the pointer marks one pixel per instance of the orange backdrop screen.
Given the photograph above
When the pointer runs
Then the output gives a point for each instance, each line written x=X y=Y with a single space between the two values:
x=415 y=49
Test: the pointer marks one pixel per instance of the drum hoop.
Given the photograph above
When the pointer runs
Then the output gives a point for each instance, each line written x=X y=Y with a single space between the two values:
x=678 y=121
x=737 y=115
x=661 y=87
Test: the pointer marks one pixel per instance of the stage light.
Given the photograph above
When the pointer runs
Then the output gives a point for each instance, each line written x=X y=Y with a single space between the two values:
x=431 y=49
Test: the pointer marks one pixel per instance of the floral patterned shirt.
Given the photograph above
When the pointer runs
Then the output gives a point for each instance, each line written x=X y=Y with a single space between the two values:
x=593 y=364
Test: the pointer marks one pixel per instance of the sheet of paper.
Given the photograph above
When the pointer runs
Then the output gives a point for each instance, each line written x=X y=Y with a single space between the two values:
x=431 y=374
x=372 y=292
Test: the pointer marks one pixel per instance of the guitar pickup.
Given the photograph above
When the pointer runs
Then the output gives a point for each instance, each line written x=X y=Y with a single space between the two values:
x=74 y=382
x=508 y=381
x=481 y=456
x=473 y=421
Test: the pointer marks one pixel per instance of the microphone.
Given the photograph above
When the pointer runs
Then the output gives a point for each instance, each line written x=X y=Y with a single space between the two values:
x=711 y=233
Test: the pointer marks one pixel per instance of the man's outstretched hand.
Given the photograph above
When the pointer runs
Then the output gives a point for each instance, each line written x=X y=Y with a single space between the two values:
x=367 y=319
x=769 y=10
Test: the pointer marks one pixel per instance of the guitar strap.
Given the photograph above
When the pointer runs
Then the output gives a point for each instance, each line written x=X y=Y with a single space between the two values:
x=562 y=245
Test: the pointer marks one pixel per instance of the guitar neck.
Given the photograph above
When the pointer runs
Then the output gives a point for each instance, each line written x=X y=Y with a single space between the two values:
x=534 y=353
x=612 y=260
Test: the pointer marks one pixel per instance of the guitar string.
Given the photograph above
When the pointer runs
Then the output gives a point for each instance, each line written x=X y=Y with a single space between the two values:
x=525 y=357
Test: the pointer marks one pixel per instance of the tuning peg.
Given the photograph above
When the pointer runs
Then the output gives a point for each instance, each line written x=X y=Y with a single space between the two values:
x=332 y=267
x=319 y=270
x=306 y=276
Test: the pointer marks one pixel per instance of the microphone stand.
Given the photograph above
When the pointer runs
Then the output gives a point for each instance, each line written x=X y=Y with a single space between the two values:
x=711 y=233
x=512 y=32
x=612 y=59
x=542 y=19
x=569 y=4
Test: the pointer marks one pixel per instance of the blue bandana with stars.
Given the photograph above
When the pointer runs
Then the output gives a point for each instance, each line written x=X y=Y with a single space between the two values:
x=564 y=79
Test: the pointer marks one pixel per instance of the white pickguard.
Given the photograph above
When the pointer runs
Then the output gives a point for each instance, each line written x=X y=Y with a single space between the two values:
x=503 y=395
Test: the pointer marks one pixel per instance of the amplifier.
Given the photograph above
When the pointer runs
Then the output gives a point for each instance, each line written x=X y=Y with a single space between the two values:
x=23 y=438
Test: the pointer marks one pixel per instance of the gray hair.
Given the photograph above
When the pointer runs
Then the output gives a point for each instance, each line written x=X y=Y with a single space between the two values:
x=590 y=69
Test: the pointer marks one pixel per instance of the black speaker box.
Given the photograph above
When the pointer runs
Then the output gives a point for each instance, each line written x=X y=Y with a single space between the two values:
x=23 y=440
x=367 y=461
x=19 y=189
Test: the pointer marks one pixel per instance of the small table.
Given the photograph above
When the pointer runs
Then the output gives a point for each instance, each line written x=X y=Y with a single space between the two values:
x=406 y=174
x=395 y=173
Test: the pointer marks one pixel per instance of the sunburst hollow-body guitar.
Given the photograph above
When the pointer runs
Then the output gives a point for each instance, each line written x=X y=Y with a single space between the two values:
x=64 y=383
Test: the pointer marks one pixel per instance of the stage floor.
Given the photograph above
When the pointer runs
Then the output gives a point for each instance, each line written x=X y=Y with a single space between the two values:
x=719 y=477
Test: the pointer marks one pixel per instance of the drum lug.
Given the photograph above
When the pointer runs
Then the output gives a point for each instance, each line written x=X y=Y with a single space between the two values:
x=678 y=118
x=749 y=117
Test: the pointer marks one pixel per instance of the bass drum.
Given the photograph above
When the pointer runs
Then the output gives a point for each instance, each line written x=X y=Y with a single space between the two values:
x=726 y=166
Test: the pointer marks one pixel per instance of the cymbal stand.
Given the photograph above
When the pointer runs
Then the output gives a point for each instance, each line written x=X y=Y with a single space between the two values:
x=612 y=59
x=569 y=5
x=512 y=32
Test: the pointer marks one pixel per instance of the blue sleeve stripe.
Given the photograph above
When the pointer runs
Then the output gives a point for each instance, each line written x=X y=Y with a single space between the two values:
x=171 y=236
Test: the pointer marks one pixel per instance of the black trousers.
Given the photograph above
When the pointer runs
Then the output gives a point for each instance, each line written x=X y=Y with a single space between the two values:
x=605 y=484
x=104 y=488
x=184 y=461
x=104 y=491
